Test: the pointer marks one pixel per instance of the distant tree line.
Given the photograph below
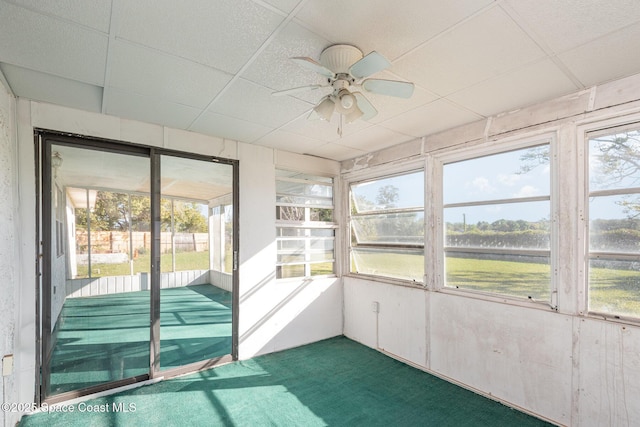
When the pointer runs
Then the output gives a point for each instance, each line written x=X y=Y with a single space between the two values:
x=124 y=212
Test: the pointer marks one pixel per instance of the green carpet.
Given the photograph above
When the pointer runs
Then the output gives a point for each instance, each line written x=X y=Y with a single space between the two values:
x=106 y=338
x=335 y=382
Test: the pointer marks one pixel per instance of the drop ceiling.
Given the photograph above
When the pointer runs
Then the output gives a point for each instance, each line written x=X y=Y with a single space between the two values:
x=211 y=66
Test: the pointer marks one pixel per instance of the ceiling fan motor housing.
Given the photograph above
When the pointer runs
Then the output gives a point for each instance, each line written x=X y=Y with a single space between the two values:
x=340 y=57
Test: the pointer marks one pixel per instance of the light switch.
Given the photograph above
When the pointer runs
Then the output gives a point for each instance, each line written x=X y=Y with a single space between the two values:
x=7 y=365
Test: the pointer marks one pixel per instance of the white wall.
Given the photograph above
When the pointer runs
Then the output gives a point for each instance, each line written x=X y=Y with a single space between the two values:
x=8 y=230
x=274 y=315
x=565 y=366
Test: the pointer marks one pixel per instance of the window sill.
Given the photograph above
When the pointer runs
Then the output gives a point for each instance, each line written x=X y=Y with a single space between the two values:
x=613 y=318
x=386 y=280
x=496 y=298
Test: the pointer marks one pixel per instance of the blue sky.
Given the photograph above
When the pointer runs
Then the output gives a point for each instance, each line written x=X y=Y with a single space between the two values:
x=495 y=177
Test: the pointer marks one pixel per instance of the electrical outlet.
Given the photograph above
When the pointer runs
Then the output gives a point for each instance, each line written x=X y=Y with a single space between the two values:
x=375 y=307
x=7 y=365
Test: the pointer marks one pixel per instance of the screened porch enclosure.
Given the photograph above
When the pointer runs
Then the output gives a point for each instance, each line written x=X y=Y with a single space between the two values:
x=100 y=302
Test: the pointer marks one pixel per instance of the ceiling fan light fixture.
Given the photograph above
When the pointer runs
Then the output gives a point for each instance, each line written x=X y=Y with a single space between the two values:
x=345 y=102
x=325 y=108
x=354 y=115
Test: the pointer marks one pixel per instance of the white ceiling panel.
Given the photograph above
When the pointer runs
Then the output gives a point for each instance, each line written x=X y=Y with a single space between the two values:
x=95 y=14
x=592 y=62
x=274 y=67
x=45 y=87
x=431 y=118
x=229 y=127
x=570 y=23
x=286 y=6
x=470 y=54
x=222 y=34
x=335 y=151
x=248 y=101
x=526 y=85
x=385 y=26
x=373 y=139
x=288 y=141
x=211 y=67
x=149 y=109
x=42 y=43
x=389 y=106
x=325 y=131
x=141 y=70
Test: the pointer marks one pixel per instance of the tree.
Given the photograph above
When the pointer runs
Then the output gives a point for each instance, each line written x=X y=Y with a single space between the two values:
x=616 y=158
x=387 y=196
x=119 y=212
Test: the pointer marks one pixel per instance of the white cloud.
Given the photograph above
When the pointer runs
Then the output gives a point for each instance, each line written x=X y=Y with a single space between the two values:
x=482 y=185
x=527 y=191
x=509 y=180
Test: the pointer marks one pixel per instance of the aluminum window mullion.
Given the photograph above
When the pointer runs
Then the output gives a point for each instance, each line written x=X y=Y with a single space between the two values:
x=387 y=212
x=498 y=202
x=497 y=251
x=614 y=256
x=615 y=192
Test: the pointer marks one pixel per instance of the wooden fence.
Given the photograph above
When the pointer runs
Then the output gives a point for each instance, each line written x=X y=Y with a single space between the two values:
x=110 y=242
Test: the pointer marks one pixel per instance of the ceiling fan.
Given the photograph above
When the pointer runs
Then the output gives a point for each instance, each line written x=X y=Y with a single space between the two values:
x=346 y=70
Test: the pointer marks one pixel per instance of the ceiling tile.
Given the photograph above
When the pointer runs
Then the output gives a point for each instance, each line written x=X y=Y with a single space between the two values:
x=389 y=106
x=249 y=101
x=54 y=46
x=222 y=34
x=470 y=54
x=431 y=118
x=569 y=23
x=284 y=5
x=149 y=109
x=606 y=58
x=48 y=88
x=229 y=127
x=374 y=138
x=275 y=69
x=527 y=85
x=92 y=13
x=320 y=129
x=388 y=27
x=154 y=73
x=288 y=141
x=335 y=151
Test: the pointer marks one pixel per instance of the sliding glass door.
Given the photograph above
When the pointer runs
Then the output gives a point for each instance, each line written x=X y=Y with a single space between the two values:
x=195 y=296
x=137 y=273
x=97 y=293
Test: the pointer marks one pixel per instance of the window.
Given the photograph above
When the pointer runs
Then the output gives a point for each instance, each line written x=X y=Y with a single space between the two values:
x=387 y=227
x=497 y=223
x=614 y=222
x=305 y=225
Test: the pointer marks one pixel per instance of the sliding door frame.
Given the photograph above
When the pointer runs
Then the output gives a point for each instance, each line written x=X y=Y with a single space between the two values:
x=43 y=140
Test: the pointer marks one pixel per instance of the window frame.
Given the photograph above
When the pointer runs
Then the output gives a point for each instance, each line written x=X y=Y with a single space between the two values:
x=308 y=225
x=488 y=148
x=585 y=132
x=377 y=173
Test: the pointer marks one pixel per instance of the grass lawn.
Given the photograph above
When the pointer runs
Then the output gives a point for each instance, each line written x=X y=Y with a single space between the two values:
x=521 y=279
x=184 y=261
x=611 y=291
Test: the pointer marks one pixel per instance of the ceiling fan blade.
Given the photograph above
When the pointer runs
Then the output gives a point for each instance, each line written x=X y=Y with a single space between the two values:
x=312 y=65
x=368 y=110
x=295 y=90
x=370 y=64
x=389 y=87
